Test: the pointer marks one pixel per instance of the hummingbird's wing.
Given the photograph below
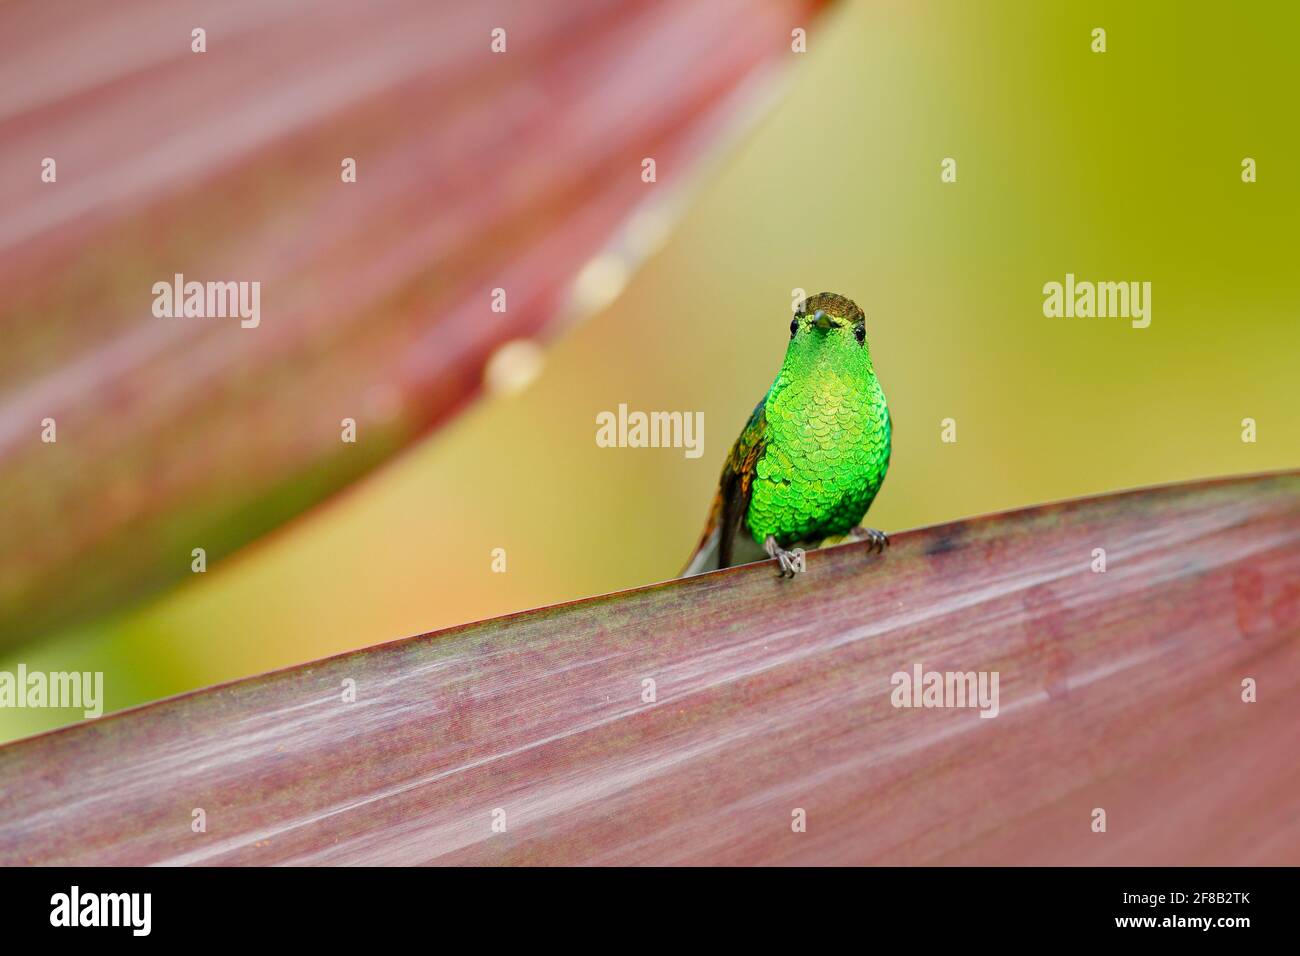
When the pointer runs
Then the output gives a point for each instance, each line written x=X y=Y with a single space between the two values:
x=726 y=518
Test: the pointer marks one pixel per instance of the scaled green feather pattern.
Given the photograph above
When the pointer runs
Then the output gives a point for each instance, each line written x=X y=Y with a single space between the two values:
x=813 y=455
x=827 y=449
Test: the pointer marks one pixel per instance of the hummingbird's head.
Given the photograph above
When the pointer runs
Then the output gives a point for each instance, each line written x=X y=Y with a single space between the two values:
x=829 y=326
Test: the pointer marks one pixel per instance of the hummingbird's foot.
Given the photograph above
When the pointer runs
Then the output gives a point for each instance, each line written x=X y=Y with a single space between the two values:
x=792 y=561
x=875 y=539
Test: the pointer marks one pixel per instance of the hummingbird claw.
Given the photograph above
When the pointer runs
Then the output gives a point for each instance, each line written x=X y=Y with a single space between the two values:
x=792 y=561
x=876 y=540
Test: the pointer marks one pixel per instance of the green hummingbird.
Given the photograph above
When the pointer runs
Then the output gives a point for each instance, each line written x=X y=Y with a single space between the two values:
x=815 y=451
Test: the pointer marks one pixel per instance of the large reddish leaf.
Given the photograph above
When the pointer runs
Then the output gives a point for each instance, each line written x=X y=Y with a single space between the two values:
x=475 y=171
x=1120 y=690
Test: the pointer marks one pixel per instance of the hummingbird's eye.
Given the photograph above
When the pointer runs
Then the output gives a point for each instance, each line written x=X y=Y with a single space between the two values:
x=860 y=333
x=794 y=326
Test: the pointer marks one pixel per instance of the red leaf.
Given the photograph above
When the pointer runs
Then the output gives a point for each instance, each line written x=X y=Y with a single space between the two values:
x=1119 y=690
x=475 y=171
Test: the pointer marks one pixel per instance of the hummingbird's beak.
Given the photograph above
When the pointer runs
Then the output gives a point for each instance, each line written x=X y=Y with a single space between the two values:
x=821 y=320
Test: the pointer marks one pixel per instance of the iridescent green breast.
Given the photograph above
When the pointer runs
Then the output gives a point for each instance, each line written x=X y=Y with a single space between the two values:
x=827 y=450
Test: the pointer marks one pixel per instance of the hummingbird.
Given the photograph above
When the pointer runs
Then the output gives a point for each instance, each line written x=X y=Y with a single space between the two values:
x=814 y=454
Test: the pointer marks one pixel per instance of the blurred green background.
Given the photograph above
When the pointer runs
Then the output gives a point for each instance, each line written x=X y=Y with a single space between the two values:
x=1117 y=166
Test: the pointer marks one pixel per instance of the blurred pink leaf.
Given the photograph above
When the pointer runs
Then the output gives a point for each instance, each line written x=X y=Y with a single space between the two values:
x=475 y=171
x=1120 y=690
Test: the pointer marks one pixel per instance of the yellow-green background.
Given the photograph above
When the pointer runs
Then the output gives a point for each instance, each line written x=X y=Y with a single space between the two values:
x=1116 y=166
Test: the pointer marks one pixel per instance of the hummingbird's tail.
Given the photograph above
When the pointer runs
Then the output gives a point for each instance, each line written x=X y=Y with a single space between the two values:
x=708 y=553
x=707 y=556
